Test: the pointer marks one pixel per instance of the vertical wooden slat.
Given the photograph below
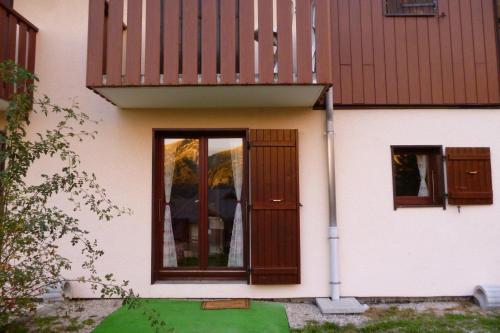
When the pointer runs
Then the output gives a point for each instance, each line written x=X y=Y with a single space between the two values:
x=22 y=47
x=347 y=88
x=266 y=52
x=11 y=44
x=115 y=42
x=479 y=52
x=22 y=51
x=3 y=43
x=412 y=54
x=95 y=48
x=323 y=41
x=457 y=52
x=391 y=72
x=227 y=41
x=424 y=61
x=3 y=34
x=171 y=41
x=337 y=81
x=345 y=32
x=11 y=48
x=491 y=51
x=152 y=60
x=356 y=51
x=285 y=58
x=31 y=50
x=345 y=52
x=367 y=52
x=304 y=43
x=468 y=51
x=446 y=55
x=379 y=52
x=134 y=42
x=435 y=61
x=402 y=61
x=209 y=42
x=247 y=49
x=190 y=41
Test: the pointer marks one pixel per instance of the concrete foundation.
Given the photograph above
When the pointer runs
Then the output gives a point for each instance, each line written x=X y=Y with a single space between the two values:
x=348 y=305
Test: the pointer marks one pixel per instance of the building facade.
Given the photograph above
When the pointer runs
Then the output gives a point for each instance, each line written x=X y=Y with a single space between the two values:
x=213 y=130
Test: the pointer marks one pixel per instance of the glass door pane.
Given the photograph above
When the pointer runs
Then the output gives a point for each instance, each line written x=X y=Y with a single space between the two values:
x=225 y=224
x=181 y=179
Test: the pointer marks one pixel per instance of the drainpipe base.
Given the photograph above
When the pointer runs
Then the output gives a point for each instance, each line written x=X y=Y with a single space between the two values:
x=345 y=305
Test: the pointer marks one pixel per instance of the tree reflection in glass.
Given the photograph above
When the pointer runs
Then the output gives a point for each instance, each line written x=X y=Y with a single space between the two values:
x=184 y=198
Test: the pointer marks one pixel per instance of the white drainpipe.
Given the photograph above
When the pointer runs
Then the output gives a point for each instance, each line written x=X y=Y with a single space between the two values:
x=332 y=230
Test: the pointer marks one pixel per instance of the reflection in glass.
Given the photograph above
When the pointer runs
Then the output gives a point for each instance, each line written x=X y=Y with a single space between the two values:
x=181 y=175
x=411 y=174
x=225 y=225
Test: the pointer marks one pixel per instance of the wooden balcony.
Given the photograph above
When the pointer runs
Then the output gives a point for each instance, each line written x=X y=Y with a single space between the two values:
x=17 y=43
x=209 y=53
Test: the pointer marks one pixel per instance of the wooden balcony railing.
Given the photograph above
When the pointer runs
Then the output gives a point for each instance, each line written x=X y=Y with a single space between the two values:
x=17 y=43
x=208 y=42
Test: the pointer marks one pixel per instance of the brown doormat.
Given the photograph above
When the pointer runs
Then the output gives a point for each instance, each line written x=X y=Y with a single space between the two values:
x=226 y=304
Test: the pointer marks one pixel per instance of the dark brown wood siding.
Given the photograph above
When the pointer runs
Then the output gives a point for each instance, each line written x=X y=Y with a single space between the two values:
x=275 y=249
x=447 y=59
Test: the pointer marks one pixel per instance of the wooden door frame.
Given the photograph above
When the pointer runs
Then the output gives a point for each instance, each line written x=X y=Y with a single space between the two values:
x=157 y=271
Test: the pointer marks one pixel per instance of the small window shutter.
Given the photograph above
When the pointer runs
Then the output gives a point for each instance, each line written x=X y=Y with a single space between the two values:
x=469 y=176
x=274 y=223
x=410 y=7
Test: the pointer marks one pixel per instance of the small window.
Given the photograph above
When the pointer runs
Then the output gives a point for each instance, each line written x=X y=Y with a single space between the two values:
x=417 y=176
x=410 y=7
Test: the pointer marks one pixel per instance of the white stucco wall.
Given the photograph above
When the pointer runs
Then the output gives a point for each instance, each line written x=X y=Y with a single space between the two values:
x=408 y=252
x=412 y=251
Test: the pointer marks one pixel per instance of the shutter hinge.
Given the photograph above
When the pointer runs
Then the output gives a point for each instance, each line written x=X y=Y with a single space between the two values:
x=249 y=145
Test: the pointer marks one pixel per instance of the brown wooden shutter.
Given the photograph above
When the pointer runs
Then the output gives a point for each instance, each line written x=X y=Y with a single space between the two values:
x=274 y=227
x=469 y=176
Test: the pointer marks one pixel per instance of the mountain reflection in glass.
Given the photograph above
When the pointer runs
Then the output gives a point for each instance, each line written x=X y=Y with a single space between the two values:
x=225 y=176
x=182 y=174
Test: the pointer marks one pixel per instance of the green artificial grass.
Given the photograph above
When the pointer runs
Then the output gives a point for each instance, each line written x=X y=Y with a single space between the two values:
x=188 y=317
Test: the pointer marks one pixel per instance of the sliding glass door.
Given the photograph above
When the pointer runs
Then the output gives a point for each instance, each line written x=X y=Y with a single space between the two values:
x=200 y=197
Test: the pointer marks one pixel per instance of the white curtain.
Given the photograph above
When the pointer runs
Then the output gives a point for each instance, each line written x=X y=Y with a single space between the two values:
x=236 y=249
x=169 y=255
x=422 y=160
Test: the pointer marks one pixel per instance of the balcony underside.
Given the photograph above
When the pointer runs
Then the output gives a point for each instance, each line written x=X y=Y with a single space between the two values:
x=234 y=96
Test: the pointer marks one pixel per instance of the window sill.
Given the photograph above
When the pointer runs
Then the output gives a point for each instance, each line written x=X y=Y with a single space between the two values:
x=203 y=281
x=189 y=276
x=420 y=206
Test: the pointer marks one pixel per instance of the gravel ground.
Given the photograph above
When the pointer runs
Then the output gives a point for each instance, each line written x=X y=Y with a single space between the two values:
x=89 y=312
x=300 y=313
